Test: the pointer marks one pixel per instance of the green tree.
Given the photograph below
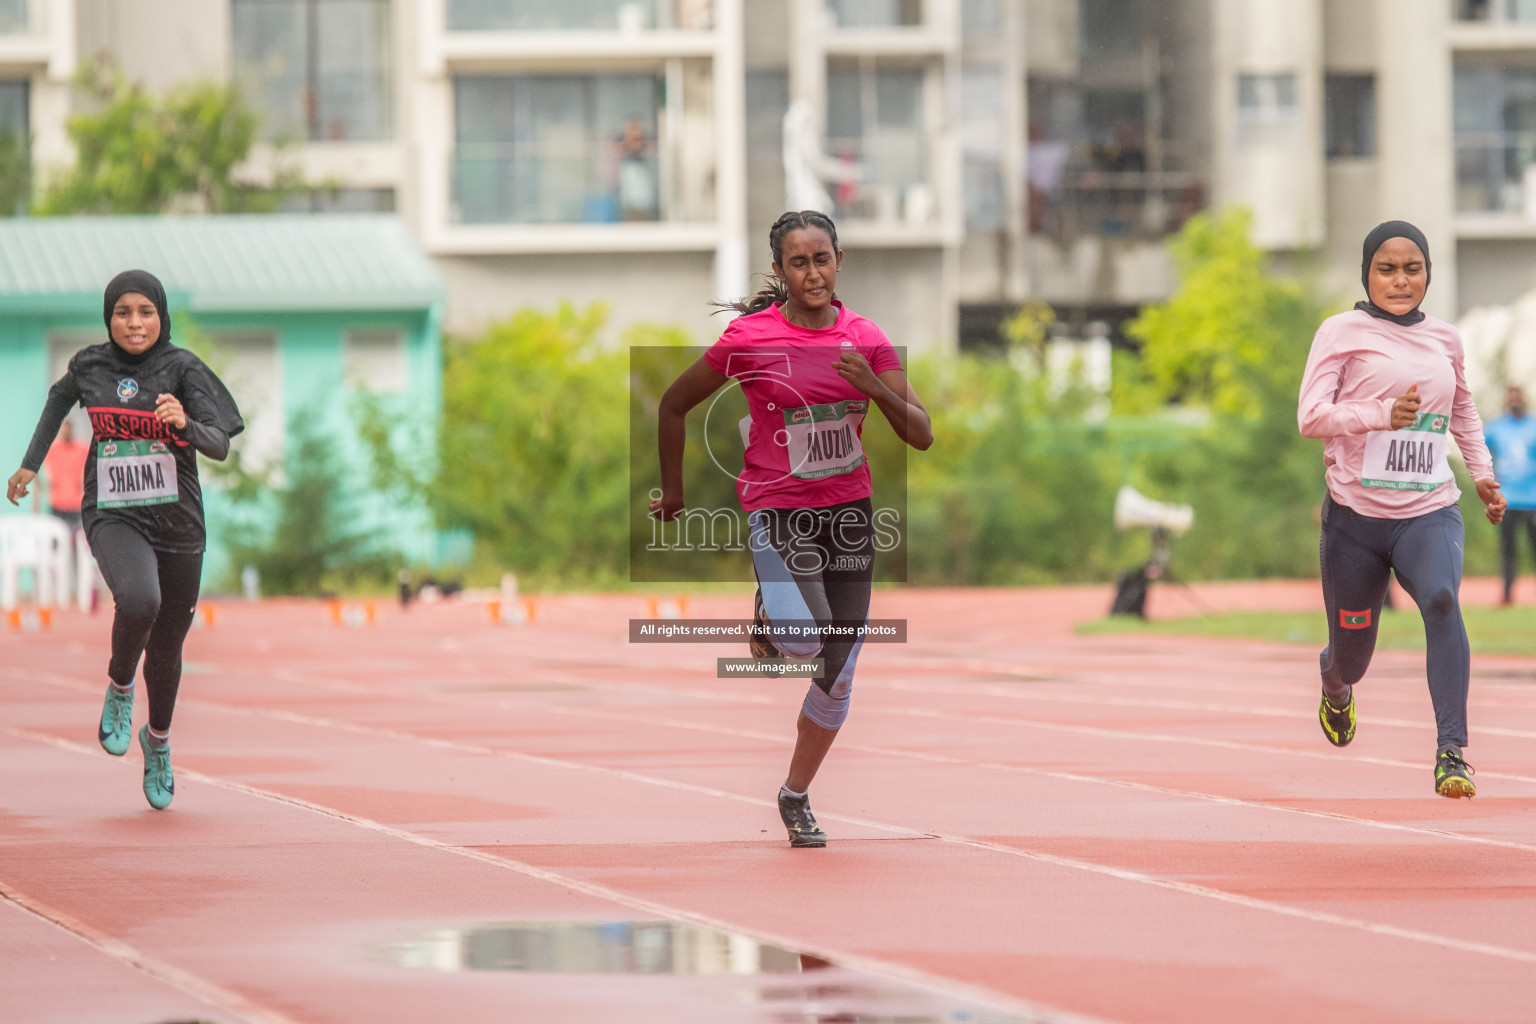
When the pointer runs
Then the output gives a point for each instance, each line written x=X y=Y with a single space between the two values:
x=1233 y=335
x=141 y=153
x=533 y=448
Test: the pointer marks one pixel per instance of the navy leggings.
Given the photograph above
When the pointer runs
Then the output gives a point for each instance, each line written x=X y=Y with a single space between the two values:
x=1358 y=553
x=156 y=596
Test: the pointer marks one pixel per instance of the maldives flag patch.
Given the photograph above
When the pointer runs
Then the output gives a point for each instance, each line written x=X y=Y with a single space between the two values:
x=1355 y=620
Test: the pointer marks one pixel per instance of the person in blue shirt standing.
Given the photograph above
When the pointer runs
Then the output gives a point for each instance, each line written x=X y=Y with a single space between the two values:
x=1512 y=439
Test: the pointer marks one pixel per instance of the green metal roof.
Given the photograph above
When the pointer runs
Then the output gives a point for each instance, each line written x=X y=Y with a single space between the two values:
x=234 y=263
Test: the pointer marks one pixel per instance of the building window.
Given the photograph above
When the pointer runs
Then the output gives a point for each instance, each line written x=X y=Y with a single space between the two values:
x=875 y=122
x=1495 y=122
x=568 y=15
x=549 y=149
x=981 y=142
x=374 y=361
x=1349 y=103
x=875 y=13
x=981 y=16
x=1266 y=97
x=13 y=17
x=1110 y=28
x=317 y=70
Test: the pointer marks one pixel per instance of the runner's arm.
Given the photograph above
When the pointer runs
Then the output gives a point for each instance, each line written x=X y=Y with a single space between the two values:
x=61 y=398
x=906 y=414
x=893 y=393
x=1317 y=414
x=694 y=385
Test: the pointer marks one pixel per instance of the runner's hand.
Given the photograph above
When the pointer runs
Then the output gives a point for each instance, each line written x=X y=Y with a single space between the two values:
x=854 y=369
x=667 y=507
x=1488 y=493
x=17 y=486
x=1406 y=409
x=168 y=410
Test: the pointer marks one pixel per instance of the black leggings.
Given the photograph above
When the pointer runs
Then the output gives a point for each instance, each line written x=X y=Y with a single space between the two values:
x=815 y=567
x=156 y=596
x=1509 y=542
x=1358 y=553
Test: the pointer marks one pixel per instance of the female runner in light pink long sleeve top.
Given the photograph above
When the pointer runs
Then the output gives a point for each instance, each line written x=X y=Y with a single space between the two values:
x=1385 y=385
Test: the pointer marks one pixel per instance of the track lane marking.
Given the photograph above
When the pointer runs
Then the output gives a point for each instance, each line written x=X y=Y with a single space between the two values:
x=204 y=991
x=937 y=985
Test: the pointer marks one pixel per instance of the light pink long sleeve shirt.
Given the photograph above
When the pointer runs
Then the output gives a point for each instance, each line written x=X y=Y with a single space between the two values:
x=1359 y=366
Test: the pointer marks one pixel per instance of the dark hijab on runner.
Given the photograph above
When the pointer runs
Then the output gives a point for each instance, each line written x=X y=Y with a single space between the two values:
x=1373 y=243
x=152 y=408
x=810 y=369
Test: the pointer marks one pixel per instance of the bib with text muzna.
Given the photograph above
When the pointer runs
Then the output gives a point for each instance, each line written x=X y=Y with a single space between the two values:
x=823 y=440
x=130 y=473
x=1410 y=459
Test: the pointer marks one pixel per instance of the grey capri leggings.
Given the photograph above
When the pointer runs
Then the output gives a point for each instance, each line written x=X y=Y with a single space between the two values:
x=815 y=567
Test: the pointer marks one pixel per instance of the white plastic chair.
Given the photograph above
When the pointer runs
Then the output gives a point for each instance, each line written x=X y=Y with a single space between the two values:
x=41 y=544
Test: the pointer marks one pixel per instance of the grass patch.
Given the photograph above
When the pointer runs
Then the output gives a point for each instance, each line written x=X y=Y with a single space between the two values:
x=1491 y=630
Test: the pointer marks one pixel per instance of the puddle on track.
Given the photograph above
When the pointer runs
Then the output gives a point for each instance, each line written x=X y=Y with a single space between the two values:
x=785 y=985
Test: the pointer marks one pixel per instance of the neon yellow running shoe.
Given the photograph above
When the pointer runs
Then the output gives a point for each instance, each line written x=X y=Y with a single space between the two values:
x=1452 y=774
x=1338 y=723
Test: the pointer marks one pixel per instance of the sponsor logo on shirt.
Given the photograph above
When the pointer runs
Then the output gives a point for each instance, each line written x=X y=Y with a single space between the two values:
x=130 y=425
x=800 y=416
x=127 y=388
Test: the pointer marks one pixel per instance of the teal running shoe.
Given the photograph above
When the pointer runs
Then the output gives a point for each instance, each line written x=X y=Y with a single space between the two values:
x=116 y=721
x=159 y=784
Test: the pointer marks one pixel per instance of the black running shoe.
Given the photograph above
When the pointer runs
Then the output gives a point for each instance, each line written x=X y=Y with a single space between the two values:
x=1338 y=723
x=758 y=643
x=1452 y=774
x=796 y=812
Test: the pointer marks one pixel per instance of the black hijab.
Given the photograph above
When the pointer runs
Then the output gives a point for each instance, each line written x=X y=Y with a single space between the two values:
x=1373 y=241
x=143 y=283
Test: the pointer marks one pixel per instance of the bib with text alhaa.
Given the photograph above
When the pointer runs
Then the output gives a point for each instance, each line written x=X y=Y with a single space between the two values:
x=823 y=440
x=1410 y=459
x=130 y=473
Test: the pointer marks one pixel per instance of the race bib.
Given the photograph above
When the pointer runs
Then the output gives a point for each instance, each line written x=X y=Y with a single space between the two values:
x=1411 y=459
x=823 y=440
x=130 y=473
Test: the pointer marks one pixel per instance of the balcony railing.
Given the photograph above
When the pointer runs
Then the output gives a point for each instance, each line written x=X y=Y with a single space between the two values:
x=14 y=18
x=892 y=180
x=578 y=15
x=1494 y=172
x=571 y=182
x=1494 y=10
x=876 y=13
x=1115 y=204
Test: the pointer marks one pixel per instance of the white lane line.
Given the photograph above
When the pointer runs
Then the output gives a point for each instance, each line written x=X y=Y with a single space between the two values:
x=1067 y=776
x=939 y=986
x=216 y=996
x=871 y=966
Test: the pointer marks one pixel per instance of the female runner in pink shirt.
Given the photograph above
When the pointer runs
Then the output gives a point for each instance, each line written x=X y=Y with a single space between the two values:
x=1384 y=385
x=810 y=368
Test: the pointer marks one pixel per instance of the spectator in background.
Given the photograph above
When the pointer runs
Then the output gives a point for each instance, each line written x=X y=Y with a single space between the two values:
x=65 y=466
x=637 y=178
x=1512 y=439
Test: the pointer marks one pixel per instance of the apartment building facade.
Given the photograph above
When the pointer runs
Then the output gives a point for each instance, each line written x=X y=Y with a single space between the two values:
x=975 y=153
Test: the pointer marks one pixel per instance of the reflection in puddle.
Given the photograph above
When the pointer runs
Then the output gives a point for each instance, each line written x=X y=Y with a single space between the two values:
x=595 y=947
x=806 y=989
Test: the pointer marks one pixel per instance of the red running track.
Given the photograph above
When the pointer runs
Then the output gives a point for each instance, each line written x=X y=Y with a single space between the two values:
x=1025 y=825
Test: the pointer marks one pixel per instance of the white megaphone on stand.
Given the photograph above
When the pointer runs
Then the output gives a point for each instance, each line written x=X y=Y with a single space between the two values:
x=1134 y=509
